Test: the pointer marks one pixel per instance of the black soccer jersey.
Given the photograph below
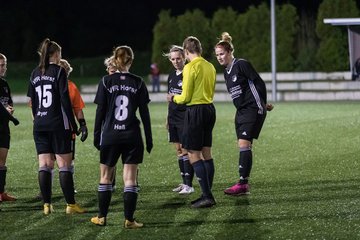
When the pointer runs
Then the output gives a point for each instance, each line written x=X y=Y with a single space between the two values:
x=118 y=97
x=5 y=100
x=245 y=86
x=51 y=106
x=176 y=112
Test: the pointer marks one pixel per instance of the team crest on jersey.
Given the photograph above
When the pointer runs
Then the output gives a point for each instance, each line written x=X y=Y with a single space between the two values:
x=234 y=78
x=122 y=77
x=179 y=83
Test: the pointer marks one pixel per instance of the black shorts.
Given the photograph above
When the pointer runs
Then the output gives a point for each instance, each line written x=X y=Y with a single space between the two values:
x=175 y=133
x=198 y=126
x=57 y=142
x=4 y=140
x=248 y=123
x=131 y=153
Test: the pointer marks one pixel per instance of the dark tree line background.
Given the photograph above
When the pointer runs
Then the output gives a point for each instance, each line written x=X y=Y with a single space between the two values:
x=90 y=29
x=304 y=42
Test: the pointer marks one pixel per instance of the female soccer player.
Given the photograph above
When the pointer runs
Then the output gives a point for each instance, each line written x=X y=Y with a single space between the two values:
x=111 y=69
x=77 y=104
x=6 y=111
x=198 y=90
x=117 y=133
x=175 y=119
x=248 y=92
x=53 y=124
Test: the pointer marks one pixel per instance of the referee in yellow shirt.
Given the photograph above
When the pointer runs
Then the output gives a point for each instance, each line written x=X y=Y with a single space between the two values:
x=199 y=77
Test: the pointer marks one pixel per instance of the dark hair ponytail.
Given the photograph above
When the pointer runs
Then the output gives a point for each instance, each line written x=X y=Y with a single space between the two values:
x=46 y=50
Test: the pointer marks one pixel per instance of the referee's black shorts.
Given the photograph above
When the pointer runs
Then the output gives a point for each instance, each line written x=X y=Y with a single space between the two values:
x=198 y=126
x=248 y=123
x=57 y=142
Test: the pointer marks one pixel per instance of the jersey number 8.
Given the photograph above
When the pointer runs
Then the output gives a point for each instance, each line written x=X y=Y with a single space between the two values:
x=121 y=111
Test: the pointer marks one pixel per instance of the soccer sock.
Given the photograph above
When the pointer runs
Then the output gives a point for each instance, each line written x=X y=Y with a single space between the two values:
x=245 y=164
x=67 y=184
x=210 y=168
x=130 y=200
x=3 y=171
x=45 y=183
x=104 y=195
x=201 y=174
x=188 y=170
x=181 y=167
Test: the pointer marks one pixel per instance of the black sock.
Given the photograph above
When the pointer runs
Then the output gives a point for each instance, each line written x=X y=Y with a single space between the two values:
x=189 y=171
x=104 y=195
x=210 y=168
x=201 y=174
x=245 y=164
x=45 y=183
x=67 y=184
x=3 y=171
x=181 y=168
x=130 y=200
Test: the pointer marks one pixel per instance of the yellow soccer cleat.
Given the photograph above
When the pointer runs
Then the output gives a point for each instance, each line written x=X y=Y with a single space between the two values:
x=99 y=221
x=132 y=225
x=48 y=208
x=74 y=208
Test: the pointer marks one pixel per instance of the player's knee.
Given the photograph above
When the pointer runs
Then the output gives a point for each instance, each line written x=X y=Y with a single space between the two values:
x=245 y=144
x=65 y=169
x=45 y=169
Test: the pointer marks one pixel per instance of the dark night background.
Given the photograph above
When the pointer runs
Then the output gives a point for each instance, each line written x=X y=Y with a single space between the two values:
x=91 y=28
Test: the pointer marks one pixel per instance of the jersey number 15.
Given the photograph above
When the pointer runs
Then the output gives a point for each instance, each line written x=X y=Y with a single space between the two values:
x=45 y=95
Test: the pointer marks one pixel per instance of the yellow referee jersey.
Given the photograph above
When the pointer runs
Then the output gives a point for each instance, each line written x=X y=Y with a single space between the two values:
x=199 y=77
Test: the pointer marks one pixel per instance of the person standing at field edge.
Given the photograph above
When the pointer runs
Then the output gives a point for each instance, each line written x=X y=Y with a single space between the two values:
x=248 y=92
x=117 y=133
x=175 y=120
x=199 y=77
x=54 y=123
x=6 y=115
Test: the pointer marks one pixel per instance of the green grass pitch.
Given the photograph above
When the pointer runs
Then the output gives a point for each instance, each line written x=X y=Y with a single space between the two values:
x=305 y=182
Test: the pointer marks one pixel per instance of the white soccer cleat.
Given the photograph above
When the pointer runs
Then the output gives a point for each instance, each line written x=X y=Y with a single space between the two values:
x=179 y=188
x=186 y=190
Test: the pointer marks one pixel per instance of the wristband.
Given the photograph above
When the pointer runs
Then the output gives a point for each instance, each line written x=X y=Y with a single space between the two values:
x=172 y=98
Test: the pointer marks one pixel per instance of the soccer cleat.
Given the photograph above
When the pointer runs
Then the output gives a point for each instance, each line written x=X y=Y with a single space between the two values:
x=186 y=190
x=179 y=188
x=99 y=221
x=48 y=208
x=196 y=200
x=238 y=190
x=204 y=202
x=6 y=197
x=74 y=208
x=132 y=225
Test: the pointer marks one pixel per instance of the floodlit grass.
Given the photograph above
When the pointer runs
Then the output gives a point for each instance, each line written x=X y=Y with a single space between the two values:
x=305 y=182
